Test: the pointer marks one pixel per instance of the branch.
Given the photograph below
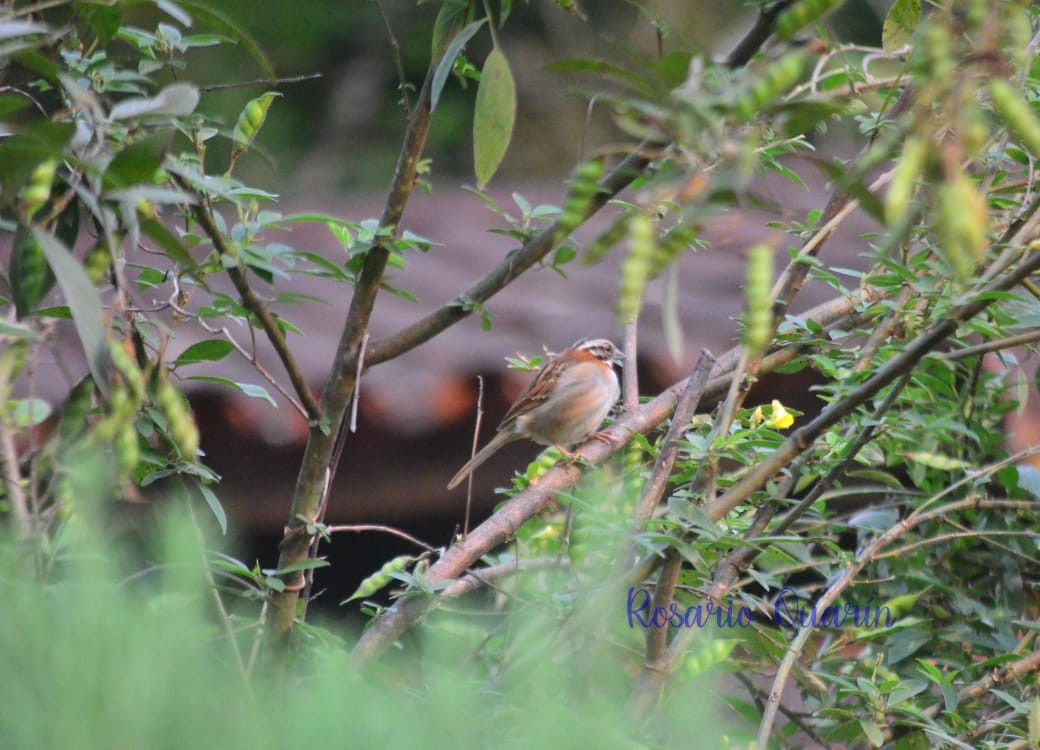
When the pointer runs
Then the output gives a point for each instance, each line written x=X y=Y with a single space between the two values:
x=514 y=264
x=259 y=82
x=684 y=411
x=251 y=302
x=757 y=35
x=325 y=442
x=491 y=574
x=503 y=525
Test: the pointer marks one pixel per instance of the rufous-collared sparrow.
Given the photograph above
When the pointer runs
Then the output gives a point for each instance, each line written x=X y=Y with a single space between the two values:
x=564 y=403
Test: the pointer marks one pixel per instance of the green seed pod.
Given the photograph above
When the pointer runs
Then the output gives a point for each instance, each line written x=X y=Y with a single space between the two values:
x=1018 y=31
x=774 y=82
x=545 y=461
x=973 y=128
x=758 y=329
x=97 y=264
x=598 y=249
x=975 y=13
x=12 y=360
x=583 y=190
x=961 y=224
x=800 y=15
x=579 y=545
x=77 y=408
x=181 y=427
x=904 y=179
x=251 y=119
x=1016 y=114
x=128 y=453
x=38 y=191
x=635 y=271
x=106 y=430
x=120 y=406
x=127 y=367
x=677 y=240
x=381 y=578
x=933 y=57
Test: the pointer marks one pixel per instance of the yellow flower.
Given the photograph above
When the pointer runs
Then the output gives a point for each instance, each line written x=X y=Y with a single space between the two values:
x=780 y=419
x=756 y=416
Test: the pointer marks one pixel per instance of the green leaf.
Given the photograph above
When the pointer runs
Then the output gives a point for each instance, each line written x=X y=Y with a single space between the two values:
x=31 y=276
x=900 y=23
x=440 y=76
x=169 y=244
x=215 y=507
x=493 y=117
x=137 y=162
x=178 y=99
x=104 y=21
x=83 y=302
x=213 y=350
x=872 y=731
x=22 y=152
x=247 y=389
x=27 y=412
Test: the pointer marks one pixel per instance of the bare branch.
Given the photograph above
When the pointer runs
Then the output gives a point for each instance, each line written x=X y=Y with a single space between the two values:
x=260 y=82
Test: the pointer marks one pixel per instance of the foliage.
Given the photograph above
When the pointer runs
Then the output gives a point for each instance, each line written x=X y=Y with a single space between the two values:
x=673 y=567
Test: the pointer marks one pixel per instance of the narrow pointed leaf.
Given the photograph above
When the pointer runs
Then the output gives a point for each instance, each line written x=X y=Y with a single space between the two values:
x=440 y=76
x=83 y=301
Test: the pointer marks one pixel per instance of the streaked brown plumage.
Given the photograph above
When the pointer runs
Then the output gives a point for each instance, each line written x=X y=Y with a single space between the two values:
x=566 y=401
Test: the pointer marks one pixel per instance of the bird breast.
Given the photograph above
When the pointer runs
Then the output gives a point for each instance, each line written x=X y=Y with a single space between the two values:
x=580 y=401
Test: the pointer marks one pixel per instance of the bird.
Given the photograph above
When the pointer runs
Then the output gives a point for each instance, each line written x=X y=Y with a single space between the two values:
x=565 y=402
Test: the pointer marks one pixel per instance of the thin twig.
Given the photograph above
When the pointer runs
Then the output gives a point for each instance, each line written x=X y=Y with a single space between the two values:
x=664 y=594
x=516 y=263
x=395 y=49
x=260 y=82
x=249 y=356
x=357 y=387
x=489 y=575
x=991 y=346
x=358 y=528
x=473 y=452
x=979 y=688
x=684 y=411
x=651 y=682
x=251 y=302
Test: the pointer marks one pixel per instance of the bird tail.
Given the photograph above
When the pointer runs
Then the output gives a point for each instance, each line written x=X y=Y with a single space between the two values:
x=502 y=438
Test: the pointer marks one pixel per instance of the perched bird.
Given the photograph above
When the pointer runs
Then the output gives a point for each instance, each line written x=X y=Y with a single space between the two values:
x=564 y=403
